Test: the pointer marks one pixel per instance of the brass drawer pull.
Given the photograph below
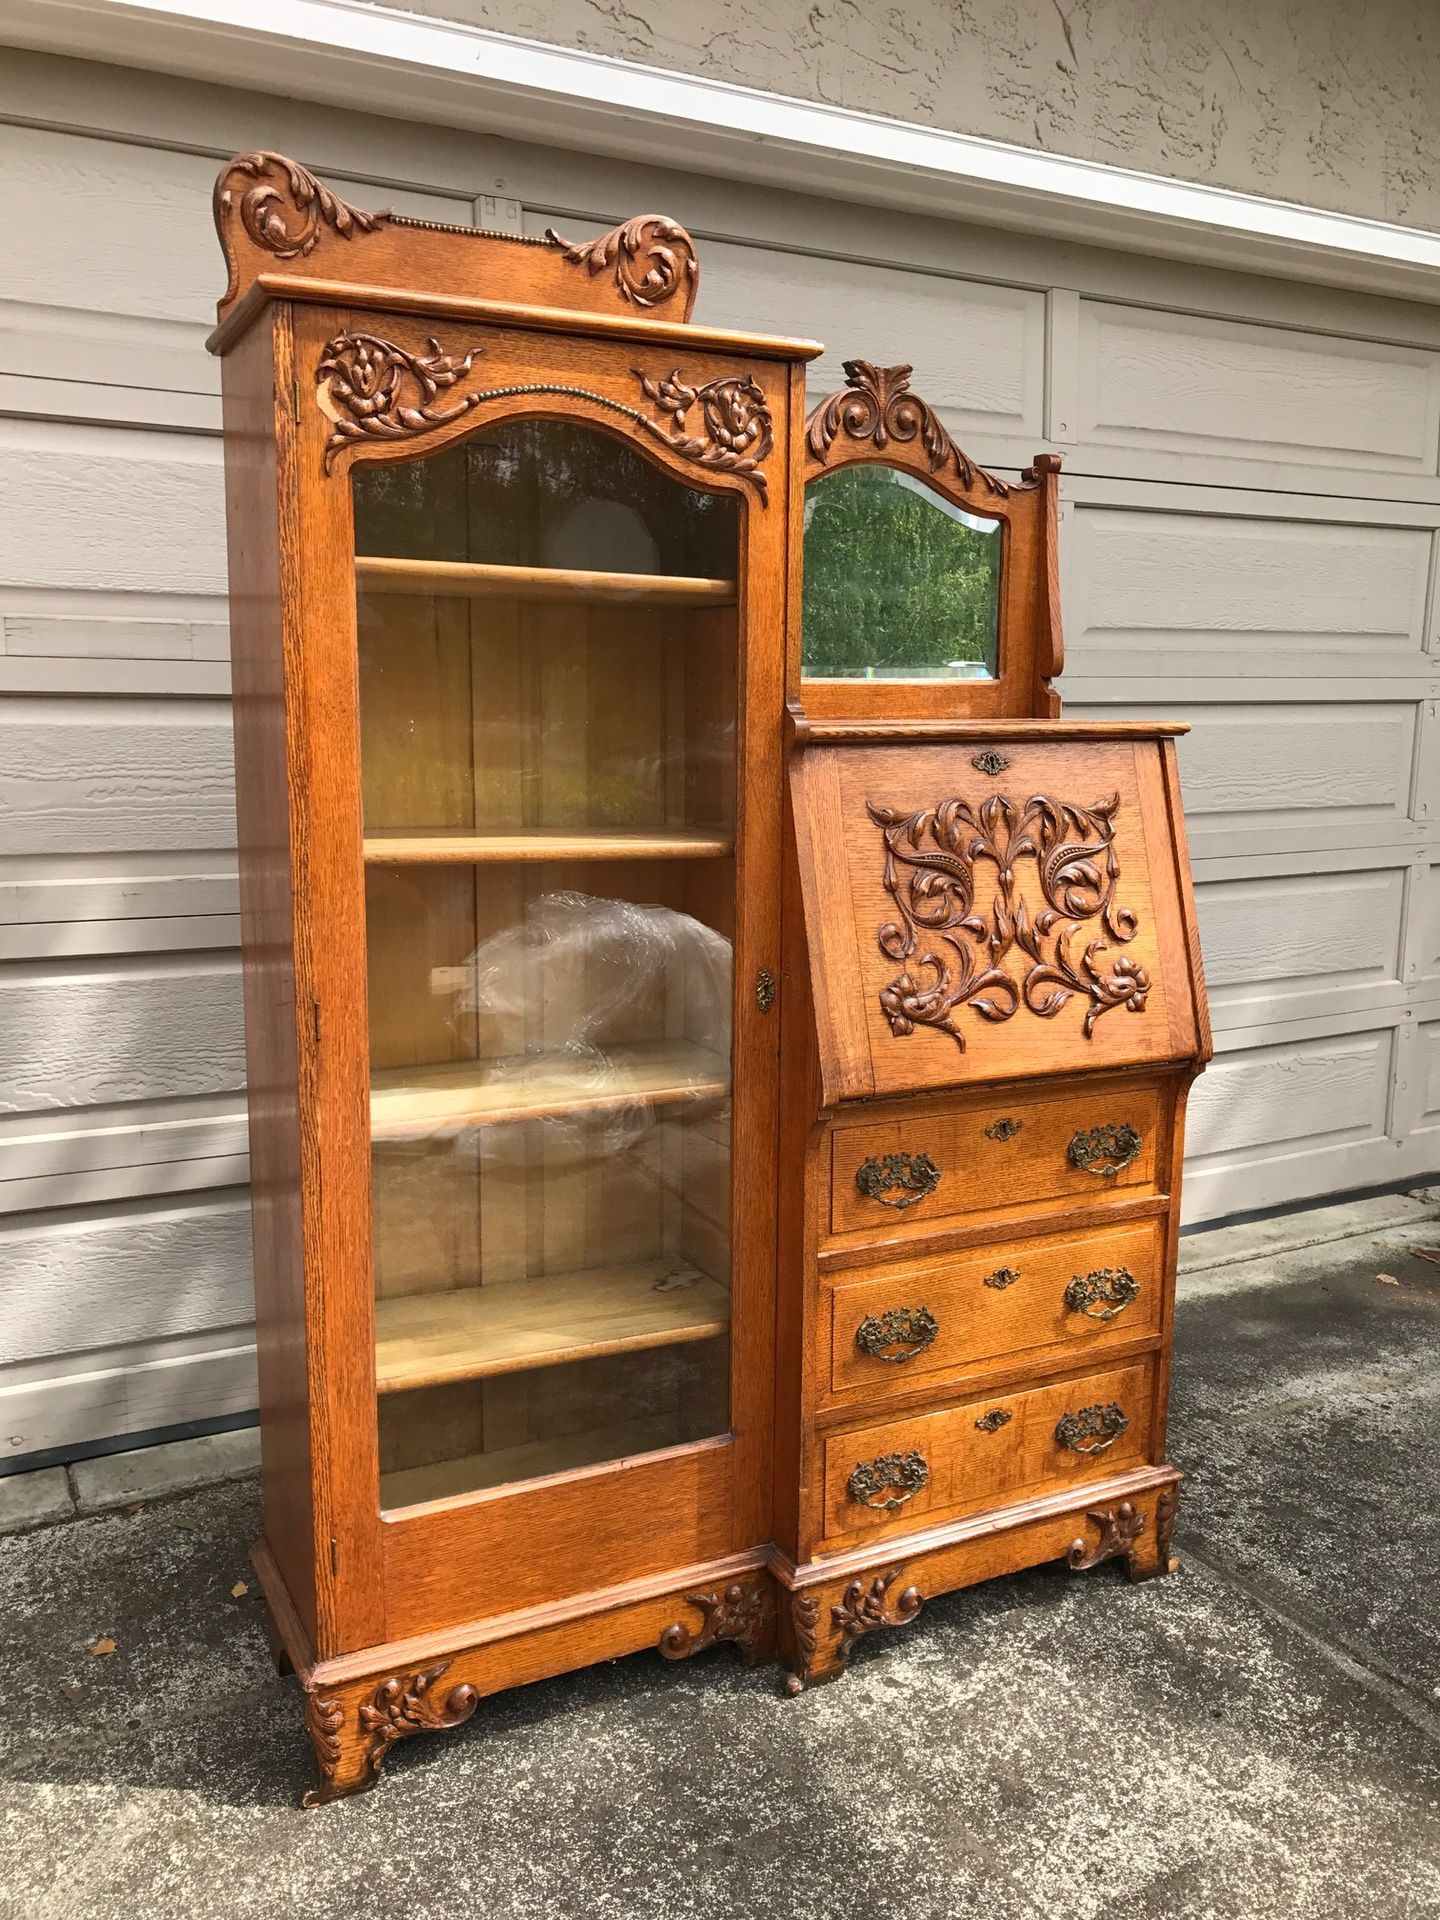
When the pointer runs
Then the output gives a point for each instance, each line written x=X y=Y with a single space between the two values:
x=1092 y=1429
x=1102 y=1293
x=993 y=1421
x=1005 y=1129
x=1105 y=1150
x=908 y=1330
x=910 y=1176
x=1002 y=1277
x=889 y=1481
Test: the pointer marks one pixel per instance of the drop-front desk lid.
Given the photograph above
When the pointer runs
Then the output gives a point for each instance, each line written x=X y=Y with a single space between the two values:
x=994 y=902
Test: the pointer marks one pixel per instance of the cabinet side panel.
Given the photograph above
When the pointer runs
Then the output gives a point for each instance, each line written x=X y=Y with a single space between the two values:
x=252 y=381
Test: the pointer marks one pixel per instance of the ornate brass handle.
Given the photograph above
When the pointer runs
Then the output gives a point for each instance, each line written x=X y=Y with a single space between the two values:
x=889 y=1481
x=909 y=1330
x=1102 y=1293
x=1092 y=1429
x=1105 y=1150
x=910 y=1176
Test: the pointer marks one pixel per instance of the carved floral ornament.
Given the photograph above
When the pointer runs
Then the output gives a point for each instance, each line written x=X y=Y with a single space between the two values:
x=951 y=951
x=370 y=388
x=877 y=406
x=287 y=211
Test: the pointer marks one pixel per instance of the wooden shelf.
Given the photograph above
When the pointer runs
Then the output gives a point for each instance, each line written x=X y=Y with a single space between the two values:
x=458 y=845
x=468 y=1333
x=412 y=1101
x=460 y=579
x=472 y=1472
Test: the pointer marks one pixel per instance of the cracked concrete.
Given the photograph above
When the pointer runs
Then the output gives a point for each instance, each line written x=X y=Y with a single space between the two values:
x=1324 y=103
x=1260 y=1733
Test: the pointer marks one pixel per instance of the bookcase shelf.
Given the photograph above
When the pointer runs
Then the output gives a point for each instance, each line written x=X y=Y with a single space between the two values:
x=456 y=845
x=413 y=1101
x=469 y=1333
x=465 y=580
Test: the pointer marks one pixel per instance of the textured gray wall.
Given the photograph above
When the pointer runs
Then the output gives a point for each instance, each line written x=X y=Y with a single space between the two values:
x=1323 y=101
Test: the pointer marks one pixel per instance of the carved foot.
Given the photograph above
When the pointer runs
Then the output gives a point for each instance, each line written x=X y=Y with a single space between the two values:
x=819 y=1648
x=742 y=1613
x=352 y=1735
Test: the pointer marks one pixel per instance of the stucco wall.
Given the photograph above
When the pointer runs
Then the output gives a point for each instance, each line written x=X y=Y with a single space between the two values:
x=1321 y=101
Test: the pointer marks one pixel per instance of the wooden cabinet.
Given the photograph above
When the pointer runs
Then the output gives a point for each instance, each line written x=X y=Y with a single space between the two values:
x=716 y=1039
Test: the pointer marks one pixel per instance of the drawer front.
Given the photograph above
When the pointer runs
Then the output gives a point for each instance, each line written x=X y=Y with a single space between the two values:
x=991 y=1157
x=986 y=1451
x=951 y=1312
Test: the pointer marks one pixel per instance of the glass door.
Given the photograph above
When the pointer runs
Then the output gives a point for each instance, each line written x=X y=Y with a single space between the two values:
x=548 y=682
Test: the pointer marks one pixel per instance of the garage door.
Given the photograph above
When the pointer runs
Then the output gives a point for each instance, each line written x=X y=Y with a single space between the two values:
x=1250 y=507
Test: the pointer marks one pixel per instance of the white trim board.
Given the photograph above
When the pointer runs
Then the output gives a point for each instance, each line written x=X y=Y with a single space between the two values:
x=402 y=66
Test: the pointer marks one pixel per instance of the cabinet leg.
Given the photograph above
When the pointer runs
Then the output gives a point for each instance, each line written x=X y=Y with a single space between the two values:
x=824 y=1624
x=1152 y=1553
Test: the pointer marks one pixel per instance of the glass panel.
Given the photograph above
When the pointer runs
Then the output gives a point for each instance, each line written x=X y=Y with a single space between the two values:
x=548 y=672
x=899 y=584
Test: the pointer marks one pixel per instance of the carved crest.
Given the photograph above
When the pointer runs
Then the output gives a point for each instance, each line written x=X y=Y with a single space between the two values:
x=650 y=258
x=286 y=211
x=951 y=952
x=878 y=406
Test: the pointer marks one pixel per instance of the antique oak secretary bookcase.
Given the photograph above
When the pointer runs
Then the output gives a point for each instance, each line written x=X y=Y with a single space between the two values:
x=717 y=1040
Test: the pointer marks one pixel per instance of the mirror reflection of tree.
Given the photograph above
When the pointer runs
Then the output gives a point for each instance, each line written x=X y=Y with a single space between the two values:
x=898 y=581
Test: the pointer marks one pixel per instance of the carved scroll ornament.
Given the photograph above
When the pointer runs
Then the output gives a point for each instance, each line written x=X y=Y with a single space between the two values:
x=1120 y=1527
x=877 y=406
x=285 y=211
x=380 y=391
x=865 y=1607
x=951 y=953
x=650 y=259
x=376 y=389
x=737 y=1613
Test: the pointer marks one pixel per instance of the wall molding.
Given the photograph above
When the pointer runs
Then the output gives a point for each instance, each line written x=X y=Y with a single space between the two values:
x=402 y=66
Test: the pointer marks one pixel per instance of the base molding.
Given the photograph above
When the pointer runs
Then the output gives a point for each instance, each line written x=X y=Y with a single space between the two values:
x=360 y=1704
x=826 y=1606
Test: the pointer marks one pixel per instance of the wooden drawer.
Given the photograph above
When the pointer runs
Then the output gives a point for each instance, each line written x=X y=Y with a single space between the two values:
x=986 y=1451
x=983 y=1157
x=950 y=1313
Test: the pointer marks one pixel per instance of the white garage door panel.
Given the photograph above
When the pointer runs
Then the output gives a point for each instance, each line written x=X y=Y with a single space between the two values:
x=1221 y=388
x=55 y=1404
x=1295 y=774
x=1287 y=946
x=1271 y=1122
x=115 y=775
x=147 y=1029
x=79 y=1284
x=1427 y=1070
x=1216 y=594
x=100 y=507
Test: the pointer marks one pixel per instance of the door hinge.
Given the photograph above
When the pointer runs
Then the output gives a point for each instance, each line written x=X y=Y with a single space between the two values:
x=315 y=1019
x=764 y=990
x=334 y=1556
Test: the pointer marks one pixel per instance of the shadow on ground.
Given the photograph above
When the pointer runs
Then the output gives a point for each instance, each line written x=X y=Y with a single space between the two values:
x=1260 y=1735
